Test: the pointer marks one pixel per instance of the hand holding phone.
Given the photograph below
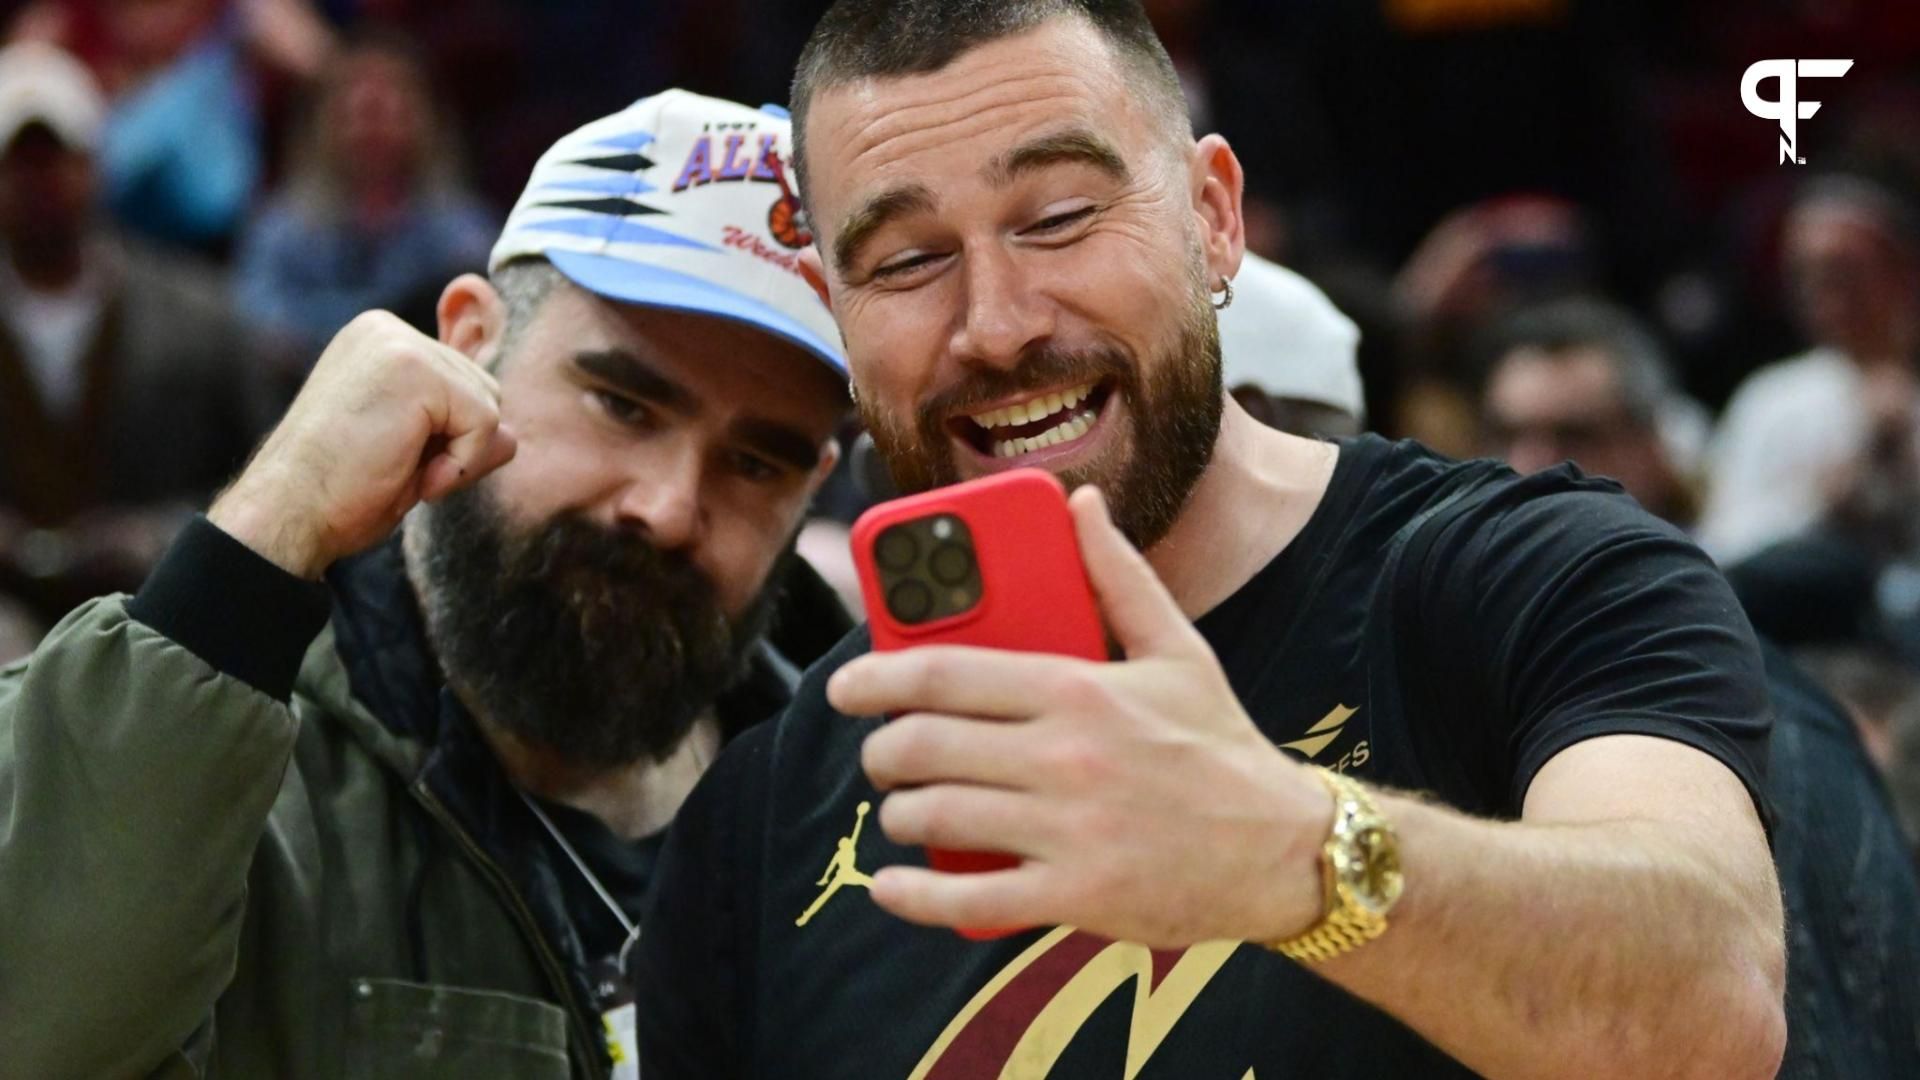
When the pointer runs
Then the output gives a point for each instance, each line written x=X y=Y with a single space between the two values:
x=993 y=563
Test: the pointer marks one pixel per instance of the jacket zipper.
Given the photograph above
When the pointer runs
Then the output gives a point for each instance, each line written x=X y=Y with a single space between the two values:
x=550 y=963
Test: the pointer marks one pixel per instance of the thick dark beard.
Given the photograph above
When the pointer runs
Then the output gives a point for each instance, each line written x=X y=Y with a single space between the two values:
x=588 y=642
x=1175 y=415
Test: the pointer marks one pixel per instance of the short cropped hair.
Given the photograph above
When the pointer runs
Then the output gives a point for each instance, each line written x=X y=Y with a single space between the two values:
x=524 y=285
x=1642 y=375
x=862 y=39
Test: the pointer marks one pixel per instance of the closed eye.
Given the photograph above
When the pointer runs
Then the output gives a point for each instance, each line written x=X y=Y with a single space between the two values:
x=896 y=270
x=1059 y=222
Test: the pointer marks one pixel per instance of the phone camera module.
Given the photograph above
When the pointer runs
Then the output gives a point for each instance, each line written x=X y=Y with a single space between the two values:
x=910 y=601
x=928 y=569
x=950 y=564
x=897 y=550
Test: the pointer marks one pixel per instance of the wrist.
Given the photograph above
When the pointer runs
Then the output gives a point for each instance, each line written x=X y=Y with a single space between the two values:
x=1298 y=884
x=1361 y=876
x=270 y=531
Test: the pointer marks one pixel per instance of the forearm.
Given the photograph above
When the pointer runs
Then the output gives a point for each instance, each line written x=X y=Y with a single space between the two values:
x=1598 y=949
x=136 y=776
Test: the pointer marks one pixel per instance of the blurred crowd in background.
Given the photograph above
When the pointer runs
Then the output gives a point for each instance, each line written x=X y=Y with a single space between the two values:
x=1555 y=228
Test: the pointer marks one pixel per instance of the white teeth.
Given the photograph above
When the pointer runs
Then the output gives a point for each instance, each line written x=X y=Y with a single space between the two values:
x=1072 y=429
x=1039 y=408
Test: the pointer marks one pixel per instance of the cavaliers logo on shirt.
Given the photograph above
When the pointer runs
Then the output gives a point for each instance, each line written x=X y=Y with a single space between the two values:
x=1019 y=1024
x=1026 y=1016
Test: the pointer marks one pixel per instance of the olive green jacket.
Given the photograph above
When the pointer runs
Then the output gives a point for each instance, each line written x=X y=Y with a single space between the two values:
x=199 y=877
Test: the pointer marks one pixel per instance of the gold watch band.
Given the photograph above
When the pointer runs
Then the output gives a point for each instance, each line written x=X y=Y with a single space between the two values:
x=1347 y=923
x=1343 y=930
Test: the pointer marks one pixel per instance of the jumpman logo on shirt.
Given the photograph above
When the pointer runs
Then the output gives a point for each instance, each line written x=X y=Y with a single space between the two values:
x=840 y=870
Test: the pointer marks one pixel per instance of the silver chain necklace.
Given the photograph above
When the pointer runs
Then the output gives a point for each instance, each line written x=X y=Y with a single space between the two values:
x=629 y=925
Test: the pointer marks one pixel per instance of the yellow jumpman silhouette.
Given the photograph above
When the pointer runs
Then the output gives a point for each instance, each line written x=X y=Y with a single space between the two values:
x=840 y=869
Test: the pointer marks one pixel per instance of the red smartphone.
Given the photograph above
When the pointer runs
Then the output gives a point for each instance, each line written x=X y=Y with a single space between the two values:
x=991 y=562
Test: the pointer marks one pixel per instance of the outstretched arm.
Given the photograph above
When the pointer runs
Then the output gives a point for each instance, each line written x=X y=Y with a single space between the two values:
x=1628 y=925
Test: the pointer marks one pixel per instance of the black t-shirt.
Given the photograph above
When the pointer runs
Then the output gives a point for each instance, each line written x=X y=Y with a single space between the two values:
x=1522 y=616
x=624 y=868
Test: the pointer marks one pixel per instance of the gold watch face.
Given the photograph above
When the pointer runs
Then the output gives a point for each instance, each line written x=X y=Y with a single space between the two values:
x=1370 y=869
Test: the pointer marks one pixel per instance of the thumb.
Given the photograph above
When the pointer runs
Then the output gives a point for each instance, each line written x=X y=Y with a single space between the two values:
x=1139 y=610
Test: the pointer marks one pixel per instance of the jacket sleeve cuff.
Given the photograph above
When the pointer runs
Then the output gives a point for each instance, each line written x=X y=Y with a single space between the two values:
x=231 y=607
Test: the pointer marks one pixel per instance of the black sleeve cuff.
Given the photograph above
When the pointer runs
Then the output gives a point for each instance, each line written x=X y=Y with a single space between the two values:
x=232 y=608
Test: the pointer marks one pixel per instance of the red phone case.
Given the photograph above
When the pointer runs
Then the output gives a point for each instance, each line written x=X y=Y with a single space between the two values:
x=1034 y=594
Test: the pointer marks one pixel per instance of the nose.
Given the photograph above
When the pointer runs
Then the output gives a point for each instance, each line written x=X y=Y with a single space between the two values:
x=662 y=497
x=1003 y=315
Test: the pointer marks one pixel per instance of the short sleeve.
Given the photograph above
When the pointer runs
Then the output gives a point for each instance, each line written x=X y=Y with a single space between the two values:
x=1590 y=617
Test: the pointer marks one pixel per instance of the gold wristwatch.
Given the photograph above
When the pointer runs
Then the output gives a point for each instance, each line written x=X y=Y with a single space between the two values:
x=1360 y=866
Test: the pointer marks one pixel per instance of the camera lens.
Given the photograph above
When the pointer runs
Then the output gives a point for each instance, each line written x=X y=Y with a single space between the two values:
x=951 y=564
x=896 y=549
x=910 y=601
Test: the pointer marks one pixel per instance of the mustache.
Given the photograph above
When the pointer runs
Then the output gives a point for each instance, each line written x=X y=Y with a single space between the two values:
x=1040 y=366
x=572 y=542
x=609 y=579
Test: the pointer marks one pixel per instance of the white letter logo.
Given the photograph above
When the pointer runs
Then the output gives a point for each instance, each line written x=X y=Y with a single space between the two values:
x=1789 y=110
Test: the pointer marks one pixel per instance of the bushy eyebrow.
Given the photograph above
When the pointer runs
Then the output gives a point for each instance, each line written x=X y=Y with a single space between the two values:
x=778 y=441
x=627 y=372
x=1075 y=146
x=1072 y=147
x=873 y=215
x=623 y=369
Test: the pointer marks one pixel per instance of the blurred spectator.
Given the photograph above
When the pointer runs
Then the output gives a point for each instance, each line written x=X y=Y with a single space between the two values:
x=125 y=383
x=1480 y=262
x=372 y=214
x=1849 y=888
x=1585 y=381
x=182 y=151
x=1831 y=432
x=1288 y=355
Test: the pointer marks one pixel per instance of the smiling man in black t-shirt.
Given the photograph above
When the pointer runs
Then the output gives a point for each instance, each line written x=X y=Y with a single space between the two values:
x=1019 y=234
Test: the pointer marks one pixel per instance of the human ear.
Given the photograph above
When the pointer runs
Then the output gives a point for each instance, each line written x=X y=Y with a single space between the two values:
x=473 y=317
x=1218 y=188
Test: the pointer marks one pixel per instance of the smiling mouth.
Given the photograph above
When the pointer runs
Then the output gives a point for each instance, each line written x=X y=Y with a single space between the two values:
x=1036 y=423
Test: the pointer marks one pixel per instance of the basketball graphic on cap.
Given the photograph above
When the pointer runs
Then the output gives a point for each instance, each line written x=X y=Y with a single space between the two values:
x=784 y=220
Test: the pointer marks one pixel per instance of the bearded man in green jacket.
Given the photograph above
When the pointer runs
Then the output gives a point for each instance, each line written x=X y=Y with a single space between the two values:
x=368 y=778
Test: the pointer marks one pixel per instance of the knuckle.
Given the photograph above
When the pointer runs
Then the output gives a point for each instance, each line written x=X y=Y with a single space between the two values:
x=1081 y=689
x=372 y=321
x=886 y=753
x=931 y=675
x=486 y=413
x=936 y=822
x=1078 y=760
x=900 y=817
